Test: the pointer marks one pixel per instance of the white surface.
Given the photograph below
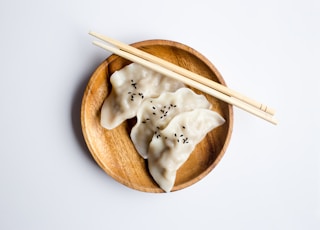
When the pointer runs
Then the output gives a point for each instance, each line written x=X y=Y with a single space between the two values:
x=269 y=177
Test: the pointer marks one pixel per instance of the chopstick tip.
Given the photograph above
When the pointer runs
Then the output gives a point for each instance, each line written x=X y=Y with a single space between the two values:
x=91 y=32
x=274 y=121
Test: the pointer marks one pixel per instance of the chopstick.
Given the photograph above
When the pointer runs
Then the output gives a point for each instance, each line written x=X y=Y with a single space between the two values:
x=152 y=62
x=184 y=72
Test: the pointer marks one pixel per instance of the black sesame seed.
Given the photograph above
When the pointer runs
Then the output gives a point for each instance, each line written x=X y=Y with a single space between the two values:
x=134 y=84
x=185 y=140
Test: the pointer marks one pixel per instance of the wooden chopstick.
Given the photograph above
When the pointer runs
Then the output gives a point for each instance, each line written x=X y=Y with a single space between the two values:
x=184 y=72
x=231 y=100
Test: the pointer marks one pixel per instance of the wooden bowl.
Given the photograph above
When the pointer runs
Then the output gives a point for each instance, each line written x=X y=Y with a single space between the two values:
x=113 y=150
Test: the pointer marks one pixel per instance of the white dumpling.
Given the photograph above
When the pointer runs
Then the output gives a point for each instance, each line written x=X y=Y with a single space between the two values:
x=174 y=144
x=130 y=86
x=155 y=113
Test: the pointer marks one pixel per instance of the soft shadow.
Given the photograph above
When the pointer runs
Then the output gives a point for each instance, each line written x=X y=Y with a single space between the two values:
x=76 y=110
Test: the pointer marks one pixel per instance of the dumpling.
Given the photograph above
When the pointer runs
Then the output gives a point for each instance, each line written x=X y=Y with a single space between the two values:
x=171 y=119
x=173 y=145
x=130 y=86
x=155 y=113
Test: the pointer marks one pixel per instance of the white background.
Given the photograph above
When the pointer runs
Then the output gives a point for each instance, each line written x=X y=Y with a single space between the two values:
x=269 y=177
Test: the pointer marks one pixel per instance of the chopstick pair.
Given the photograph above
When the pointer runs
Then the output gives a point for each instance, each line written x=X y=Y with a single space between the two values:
x=187 y=77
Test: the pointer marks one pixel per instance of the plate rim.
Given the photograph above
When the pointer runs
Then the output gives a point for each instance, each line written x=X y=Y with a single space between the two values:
x=141 y=44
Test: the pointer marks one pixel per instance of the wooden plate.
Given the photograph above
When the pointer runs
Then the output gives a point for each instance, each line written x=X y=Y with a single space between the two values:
x=113 y=150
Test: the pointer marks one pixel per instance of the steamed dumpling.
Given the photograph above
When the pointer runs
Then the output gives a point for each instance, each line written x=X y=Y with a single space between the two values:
x=171 y=119
x=173 y=145
x=154 y=114
x=130 y=86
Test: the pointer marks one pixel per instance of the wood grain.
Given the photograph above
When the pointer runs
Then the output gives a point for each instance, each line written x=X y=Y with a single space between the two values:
x=113 y=150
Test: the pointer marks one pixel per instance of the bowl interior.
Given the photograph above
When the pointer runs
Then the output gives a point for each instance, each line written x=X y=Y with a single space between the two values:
x=113 y=150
